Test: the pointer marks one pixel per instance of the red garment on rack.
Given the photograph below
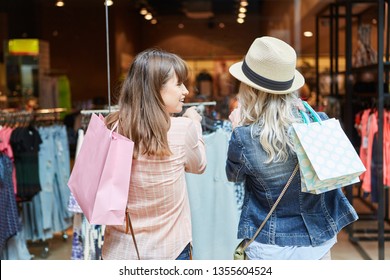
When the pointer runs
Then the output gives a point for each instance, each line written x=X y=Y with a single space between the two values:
x=386 y=148
x=363 y=132
x=367 y=129
x=367 y=142
x=5 y=148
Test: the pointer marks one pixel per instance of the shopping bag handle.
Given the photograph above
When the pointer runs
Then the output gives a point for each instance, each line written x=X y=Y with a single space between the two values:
x=115 y=126
x=305 y=117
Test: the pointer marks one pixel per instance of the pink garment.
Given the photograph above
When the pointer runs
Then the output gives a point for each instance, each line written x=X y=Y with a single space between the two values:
x=370 y=125
x=5 y=147
x=386 y=148
x=363 y=132
x=158 y=199
x=372 y=129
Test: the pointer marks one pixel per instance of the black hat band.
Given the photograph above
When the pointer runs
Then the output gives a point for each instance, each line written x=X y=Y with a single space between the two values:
x=264 y=82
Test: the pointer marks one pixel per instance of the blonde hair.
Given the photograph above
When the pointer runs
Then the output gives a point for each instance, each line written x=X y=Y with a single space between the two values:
x=273 y=114
x=142 y=115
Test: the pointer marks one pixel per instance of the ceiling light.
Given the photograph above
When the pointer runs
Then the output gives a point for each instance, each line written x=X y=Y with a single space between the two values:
x=244 y=3
x=60 y=3
x=143 y=11
x=153 y=21
x=148 y=16
x=308 y=34
x=242 y=11
x=109 y=3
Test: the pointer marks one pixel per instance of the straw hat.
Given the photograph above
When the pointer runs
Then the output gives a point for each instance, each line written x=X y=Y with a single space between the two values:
x=269 y=66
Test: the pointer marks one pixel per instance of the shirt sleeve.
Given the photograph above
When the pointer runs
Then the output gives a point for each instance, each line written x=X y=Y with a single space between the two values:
x=235 y=163
x=195 y=149
x=323 y=116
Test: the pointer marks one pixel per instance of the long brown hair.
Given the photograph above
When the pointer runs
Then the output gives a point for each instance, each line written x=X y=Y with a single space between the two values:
x=142 y=114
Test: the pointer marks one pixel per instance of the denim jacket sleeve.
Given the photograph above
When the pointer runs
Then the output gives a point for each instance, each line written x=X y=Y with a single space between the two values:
x=323 y=116
x=235 y=163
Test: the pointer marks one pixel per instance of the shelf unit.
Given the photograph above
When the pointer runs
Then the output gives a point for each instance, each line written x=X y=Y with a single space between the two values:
x=342 y=18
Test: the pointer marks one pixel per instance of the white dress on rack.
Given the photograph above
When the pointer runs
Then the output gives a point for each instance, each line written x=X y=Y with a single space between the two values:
x=213 y=201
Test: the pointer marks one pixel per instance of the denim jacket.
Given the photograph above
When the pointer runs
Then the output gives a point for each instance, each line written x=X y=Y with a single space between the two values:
x=300 y=219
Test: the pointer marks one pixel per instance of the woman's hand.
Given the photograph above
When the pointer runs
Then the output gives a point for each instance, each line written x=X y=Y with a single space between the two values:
x=193 y=114
x=235 y=116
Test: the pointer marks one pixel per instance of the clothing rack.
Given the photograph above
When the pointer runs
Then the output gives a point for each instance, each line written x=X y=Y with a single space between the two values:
x=14 y=118
x=86 y=115
x=50 y=111
x=115 y=108
x=11 y=117
x=342 y=16
x=207 y=103
x=48 y=115
x=101 y=111
x=40 y=116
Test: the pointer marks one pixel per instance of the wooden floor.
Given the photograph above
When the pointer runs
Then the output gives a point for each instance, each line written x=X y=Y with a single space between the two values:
x=366 y=228
x=60 y=249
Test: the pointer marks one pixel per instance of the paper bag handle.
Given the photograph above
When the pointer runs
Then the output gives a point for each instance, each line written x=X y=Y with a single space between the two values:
x=115 y=126
x=305 y=117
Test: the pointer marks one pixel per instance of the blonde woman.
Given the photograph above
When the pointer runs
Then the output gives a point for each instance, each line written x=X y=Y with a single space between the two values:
x=303 y=226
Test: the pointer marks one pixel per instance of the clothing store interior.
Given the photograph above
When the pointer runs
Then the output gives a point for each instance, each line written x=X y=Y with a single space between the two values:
x=61 y=61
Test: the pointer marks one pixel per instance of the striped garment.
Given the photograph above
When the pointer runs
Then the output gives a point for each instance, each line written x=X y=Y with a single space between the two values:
x=158 y=201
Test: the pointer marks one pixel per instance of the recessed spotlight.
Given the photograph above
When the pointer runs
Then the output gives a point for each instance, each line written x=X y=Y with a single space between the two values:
x=244 y=3
x=143 y=11
x=308 y=34
x=60 y=3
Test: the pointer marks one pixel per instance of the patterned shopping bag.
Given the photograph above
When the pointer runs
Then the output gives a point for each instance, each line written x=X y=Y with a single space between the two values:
x=327 y=159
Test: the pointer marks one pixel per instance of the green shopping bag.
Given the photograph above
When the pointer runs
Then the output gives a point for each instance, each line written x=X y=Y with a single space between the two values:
x=327 y=159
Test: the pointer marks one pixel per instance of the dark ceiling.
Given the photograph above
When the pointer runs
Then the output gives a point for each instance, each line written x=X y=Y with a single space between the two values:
x=218 y=7
x=265 y=11
x=159 y=7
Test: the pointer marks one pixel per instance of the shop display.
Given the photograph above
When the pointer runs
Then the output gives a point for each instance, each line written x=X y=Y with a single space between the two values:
x=39 y=184
x=348 y=88
x=365 y=79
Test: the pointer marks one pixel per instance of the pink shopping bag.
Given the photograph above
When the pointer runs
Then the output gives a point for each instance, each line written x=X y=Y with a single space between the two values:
x=100 y=177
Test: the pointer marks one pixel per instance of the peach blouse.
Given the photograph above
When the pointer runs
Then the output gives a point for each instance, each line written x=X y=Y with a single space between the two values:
x=158 y=201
